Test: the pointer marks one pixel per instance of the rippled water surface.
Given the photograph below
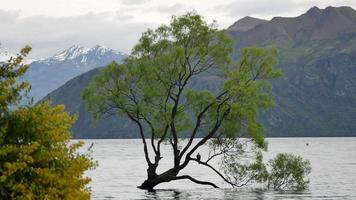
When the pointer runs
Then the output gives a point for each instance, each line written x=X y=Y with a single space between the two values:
x=122 y=168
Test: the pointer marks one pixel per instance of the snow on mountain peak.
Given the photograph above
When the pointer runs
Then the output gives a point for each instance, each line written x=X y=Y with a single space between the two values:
x=80 y=55
x=77 y=51
x=71 y=53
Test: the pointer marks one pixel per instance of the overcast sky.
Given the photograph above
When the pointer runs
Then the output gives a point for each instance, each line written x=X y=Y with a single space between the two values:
x=53 y=25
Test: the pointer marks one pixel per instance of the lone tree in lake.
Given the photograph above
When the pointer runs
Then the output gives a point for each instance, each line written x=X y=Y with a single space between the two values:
x=154 y=87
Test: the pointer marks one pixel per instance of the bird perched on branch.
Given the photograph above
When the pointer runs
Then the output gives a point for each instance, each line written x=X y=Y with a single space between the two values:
x=198 y=157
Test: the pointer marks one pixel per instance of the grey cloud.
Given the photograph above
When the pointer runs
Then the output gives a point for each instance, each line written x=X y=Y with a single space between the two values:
x=167 y=11
x=8 y=17
x=351 y=3
x=268 y=8
x=131 y=2
x=170 y=9
x=261 y=7
x=49 y=34
x=123 y=17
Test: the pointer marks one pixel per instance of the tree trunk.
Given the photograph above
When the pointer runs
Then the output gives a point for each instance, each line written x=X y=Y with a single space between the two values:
x=149 y=184
x=153 y=179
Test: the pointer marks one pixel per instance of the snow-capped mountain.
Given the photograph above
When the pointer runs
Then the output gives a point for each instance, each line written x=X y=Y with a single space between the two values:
x=45 y=75
x=83 y=56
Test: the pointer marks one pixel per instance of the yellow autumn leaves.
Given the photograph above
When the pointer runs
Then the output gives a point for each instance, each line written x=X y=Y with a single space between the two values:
x=37 y=159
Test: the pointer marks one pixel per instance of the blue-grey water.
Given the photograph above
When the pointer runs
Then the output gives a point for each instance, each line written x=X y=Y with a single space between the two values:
x=122 y=168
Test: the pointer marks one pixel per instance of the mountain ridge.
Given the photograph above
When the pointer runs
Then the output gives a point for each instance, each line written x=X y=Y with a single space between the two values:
x=314 y=25
x=246 y=23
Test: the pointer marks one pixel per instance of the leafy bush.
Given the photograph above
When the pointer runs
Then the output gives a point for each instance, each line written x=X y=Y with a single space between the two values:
x=288 y=172
x=37 y=160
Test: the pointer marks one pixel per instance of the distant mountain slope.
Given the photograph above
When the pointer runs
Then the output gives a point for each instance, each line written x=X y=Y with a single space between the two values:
x=45 y=75
x=316 y=96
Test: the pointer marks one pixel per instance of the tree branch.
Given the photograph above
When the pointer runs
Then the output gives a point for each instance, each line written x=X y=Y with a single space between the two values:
x=206 y=138
x=152 y=135
x=142 y=137
x=198 y=123
x=195 y=180
x=215 y=170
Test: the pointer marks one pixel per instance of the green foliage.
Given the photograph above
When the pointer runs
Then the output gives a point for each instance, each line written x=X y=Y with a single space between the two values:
x=244 y=166
x=148 y=83
x=288 y=172
x=37 y=159
x=151 y=84
x=154 y=88
x=241 y=163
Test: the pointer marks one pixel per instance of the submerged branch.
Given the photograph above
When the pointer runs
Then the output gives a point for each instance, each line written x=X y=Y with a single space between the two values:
x=195 y=180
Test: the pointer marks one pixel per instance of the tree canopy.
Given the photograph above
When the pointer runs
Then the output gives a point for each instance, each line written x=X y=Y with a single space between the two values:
x=37 y=159
x=154 y=87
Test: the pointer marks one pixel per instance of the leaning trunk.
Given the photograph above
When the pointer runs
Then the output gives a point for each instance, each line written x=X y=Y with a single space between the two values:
x=153 y=179
x=149 y=184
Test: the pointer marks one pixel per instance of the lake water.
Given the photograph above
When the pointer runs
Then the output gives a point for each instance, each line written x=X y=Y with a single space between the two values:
x=122 y=168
